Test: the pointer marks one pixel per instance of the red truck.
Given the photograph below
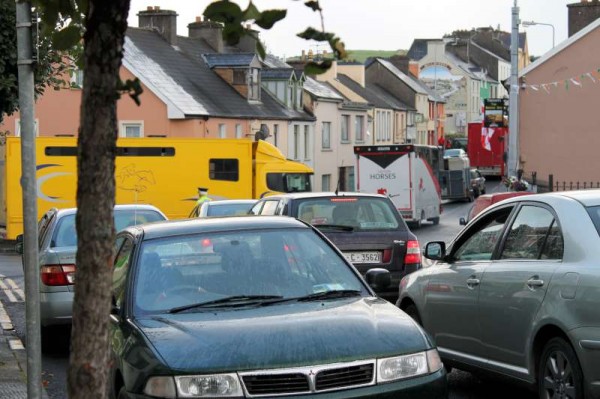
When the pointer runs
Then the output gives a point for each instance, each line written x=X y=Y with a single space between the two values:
x=485 y=147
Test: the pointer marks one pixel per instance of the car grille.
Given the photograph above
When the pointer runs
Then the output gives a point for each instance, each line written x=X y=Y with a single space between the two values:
x=331 y=377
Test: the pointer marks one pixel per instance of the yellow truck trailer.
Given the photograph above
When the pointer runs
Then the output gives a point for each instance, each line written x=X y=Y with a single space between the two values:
x=163 y=172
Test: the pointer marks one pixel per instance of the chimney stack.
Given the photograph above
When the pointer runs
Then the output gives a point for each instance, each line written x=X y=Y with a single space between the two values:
x=401 y=62
x=582 y=14
x=247 y=43
x=211 y=32
x=164 y=21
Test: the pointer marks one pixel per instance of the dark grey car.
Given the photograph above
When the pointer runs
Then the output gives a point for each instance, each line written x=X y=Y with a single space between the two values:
x=367 y=228
x=517 y=293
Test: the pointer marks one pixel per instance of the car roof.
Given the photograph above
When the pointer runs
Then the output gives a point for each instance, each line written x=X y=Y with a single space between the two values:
x=231 y=202
x=210 y=225
x=304 y=195
x=139 y=207
x=585 y=197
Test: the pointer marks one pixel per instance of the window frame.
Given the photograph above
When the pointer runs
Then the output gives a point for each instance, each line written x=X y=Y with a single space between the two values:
x=124 y=124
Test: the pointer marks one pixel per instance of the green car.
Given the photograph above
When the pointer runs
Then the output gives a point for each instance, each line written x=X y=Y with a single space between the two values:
x=249 y=307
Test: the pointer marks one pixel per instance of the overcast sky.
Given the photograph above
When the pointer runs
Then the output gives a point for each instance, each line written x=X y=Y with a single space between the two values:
x=385 y=24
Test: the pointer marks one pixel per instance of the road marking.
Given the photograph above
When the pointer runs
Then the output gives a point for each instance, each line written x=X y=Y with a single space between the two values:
x=5 y=322
x=15 y=344
x=7 y=291
x=16 y=288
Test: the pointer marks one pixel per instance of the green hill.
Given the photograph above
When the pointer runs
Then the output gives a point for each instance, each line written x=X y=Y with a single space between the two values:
x=362 y=55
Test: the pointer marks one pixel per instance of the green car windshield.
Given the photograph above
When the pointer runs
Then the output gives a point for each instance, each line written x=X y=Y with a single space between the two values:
x=176 y=272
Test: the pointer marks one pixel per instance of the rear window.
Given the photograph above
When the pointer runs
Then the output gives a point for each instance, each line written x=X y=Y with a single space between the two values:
x=65 y=234
x=361 y=213
x=594 y=212
x=228 y=209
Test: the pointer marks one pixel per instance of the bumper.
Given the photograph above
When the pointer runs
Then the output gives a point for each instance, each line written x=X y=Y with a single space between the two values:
x=432 y=386
x=56 y=307
x=586 y=341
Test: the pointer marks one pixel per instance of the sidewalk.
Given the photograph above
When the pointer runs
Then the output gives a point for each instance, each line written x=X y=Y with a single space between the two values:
x=13 y=355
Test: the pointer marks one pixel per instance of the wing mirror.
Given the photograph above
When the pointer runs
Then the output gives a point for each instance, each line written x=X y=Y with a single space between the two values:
x=462 y=221
x=378 y=278
x=435 y=250
x=19 y=244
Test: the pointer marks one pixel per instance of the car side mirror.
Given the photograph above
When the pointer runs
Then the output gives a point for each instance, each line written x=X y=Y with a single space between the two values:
x=19 y=244
x=378 y=278
x=462 y=221
x=115 y=310
x=435 y=250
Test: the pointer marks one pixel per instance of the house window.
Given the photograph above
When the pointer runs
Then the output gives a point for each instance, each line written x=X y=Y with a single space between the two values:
x=238 y=131
x=326 y=183
x=222 y=130
x=298 y=88
x=306 y=143
x=131 y=129
x=18 y=127
x=359 y=127
x=239 y=76
x=276 y=134
x=77 y=78
x=345 y=128
x=296 y=141
x=326 y=138
x=254 y=84
x=290 y=102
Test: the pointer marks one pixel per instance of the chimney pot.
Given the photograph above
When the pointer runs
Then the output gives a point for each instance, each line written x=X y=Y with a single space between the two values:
x=149 y=8
x=156 y=8
x=198 y=19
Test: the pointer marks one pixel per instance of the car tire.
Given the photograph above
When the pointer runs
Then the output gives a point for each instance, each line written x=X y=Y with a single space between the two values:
x=122 y=394
x=483 y=190
x=435 y=221
x=557 y=357
x=412 y=311
x=475 y=192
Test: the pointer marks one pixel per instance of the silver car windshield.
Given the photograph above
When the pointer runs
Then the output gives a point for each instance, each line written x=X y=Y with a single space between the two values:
x=194 y=269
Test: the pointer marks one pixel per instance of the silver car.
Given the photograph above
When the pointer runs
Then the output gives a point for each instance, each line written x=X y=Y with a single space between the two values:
x=57 y=250
x=234 y=207
x=517 y=292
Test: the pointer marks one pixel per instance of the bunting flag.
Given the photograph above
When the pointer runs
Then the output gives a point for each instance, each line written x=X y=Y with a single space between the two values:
x=578 y=81
x=486 y=135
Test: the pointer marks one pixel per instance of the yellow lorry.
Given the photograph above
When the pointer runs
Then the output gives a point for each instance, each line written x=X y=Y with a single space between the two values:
x=163 y=172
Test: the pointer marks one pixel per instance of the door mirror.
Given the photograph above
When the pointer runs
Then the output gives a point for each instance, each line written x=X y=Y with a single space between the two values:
x=19 y=244
x=378 y=278
x=115 y=310
x=462 y=221
x=435 y=250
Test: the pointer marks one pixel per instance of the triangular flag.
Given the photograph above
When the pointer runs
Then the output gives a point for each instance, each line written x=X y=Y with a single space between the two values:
x=567 y=84
x=555 y=84
x=545 y=87
x=535 y=87
x=589 y=75
x=575 y=82
x=486 y=135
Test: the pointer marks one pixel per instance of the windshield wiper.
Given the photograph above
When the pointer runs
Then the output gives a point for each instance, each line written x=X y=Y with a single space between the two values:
x=235 y=300
x=329 y=295
x=334 y=226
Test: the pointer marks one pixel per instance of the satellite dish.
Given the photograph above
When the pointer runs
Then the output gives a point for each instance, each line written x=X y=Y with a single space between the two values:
x=262 y=133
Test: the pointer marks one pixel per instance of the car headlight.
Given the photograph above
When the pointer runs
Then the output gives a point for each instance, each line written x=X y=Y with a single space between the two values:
x=407 y=366
x=214 y=386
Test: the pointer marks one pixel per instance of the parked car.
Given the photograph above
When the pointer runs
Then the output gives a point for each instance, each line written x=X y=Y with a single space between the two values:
x=367 y=228
x=477 y=183
x=455 y=152
x=274 y=310
x=57 y=239
x=222 y=208
x=516 y=293
x=483 y=201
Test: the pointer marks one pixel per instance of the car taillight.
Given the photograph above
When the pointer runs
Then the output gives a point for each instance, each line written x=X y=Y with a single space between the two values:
x=56 y=275
x=387 y=256
x=413 y=252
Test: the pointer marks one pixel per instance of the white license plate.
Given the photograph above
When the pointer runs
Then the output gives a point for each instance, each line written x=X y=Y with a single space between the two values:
x=363 y=257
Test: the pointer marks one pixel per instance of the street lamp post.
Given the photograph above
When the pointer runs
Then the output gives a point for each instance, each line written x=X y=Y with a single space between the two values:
x=531 y=23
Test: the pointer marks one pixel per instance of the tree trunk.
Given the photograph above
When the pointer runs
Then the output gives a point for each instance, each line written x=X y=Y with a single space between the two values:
x=106 y=23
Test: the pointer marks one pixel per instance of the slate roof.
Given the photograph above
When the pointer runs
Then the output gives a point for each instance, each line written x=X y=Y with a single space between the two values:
x=408 y=80
x=390 y=98
x=321 y=90
x=277 y=73
x=229 y=60
x=374 y=98
x=186 y=84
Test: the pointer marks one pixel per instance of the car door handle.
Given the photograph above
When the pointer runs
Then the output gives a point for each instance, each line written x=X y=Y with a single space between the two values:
x=535 y=282
x=472 y=282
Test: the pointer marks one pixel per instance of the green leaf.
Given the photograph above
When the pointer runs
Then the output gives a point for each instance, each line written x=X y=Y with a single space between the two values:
x=317 y=68
x=261 y=49
x=313 y=34
x=313 y=5
x=251 y=12
x=232 y=33
x=223 y=11
x=268 y=18
x=66 y=38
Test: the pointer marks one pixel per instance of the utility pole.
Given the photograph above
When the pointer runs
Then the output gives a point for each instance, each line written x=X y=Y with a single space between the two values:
x=513 y=105
x=28 y=185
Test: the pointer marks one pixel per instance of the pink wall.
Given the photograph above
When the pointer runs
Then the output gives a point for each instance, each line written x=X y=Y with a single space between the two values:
x=559 y=131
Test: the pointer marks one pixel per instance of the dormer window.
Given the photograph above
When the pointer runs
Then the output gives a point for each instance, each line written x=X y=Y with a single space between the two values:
x=239 y=76
x=253 y=78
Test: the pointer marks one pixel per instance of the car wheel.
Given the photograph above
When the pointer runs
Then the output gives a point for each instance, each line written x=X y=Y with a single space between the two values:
x=559 y=372
x=475 y=192
x=483 y=190
x=435 y=220
x=412 y=311
x=122 y=393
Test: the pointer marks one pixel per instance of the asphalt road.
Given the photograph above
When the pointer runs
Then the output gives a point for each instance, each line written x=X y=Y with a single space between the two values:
x=463 y=385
